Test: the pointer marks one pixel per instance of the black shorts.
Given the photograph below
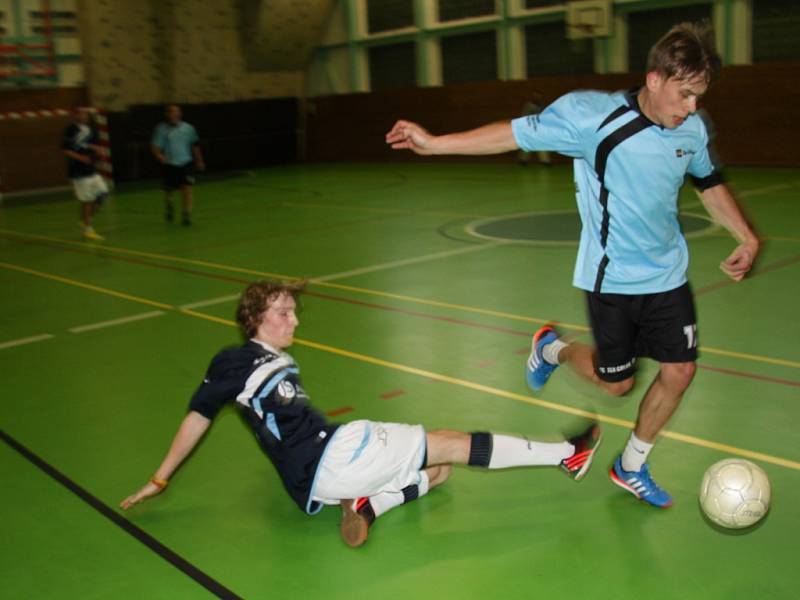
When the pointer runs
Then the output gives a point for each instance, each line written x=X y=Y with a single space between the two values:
x=660 y=326
x=176 y=177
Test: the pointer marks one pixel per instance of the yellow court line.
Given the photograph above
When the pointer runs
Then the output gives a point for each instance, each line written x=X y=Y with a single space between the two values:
x=86 y=286
x=404 y=298
x=688 y=439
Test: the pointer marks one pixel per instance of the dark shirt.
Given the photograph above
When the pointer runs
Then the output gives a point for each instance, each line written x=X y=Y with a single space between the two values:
x=266 y=387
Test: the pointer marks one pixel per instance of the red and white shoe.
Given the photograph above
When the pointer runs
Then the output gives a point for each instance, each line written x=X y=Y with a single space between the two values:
x=586 y=443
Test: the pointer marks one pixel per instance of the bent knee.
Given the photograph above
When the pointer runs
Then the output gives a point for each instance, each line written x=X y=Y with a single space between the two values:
x=678 y=375
x=619 y=388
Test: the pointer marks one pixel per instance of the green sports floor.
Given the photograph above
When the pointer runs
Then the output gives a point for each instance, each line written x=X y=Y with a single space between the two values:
x=427 y=280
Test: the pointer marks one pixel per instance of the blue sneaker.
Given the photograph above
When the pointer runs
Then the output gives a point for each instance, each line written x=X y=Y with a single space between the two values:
x=640 y=484
x=537 y=369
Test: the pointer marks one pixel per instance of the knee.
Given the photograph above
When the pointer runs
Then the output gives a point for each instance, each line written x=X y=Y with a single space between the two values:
x=619 y=388
x=678 y=375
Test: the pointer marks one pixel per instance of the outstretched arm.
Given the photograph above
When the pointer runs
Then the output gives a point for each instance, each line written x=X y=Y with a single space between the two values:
x=494 y=138
x=722 y=207
x=192 y=428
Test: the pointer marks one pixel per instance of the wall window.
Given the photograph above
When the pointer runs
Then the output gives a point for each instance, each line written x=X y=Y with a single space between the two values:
x=385 y=15
x=549 y=52
x=452 y=10
x=776 y=30
x=392 y=66
x=469 y=57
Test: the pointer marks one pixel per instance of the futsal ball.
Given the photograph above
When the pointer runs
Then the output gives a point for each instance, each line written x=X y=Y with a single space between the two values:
x=735 y=493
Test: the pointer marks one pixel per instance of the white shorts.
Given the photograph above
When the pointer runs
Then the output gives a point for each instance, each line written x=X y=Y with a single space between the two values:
x=89 y=189
x=365 y=458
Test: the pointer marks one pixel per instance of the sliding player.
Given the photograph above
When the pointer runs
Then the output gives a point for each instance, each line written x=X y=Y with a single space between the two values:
x=367 y=467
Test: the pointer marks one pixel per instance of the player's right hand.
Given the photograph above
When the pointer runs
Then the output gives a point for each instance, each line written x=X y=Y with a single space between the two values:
x=409 y=135
x=148 y=491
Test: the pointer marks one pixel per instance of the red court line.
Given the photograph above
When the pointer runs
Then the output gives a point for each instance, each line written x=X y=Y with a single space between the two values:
x=413 y=313
x=750 y=375
x=392 y=394
x=769 y=268
x=340 y=411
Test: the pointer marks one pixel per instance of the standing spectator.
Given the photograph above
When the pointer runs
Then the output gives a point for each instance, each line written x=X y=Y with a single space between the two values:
x=79 y=145
x=175 y=145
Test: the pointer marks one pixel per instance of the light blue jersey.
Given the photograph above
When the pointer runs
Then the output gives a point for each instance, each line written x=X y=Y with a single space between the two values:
x=628 y=172
x=176 y=142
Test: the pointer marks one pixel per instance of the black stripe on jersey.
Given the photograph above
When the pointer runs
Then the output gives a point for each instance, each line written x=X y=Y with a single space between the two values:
x=703 y=183
x=617 y=113
x=611 y=141
x=601 y=272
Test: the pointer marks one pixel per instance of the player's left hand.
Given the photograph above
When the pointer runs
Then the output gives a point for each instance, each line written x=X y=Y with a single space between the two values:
x=200 y=166
x=740 y=261
x=148 y=491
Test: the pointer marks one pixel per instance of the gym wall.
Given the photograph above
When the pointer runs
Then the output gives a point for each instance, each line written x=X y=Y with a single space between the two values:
x=752 y=107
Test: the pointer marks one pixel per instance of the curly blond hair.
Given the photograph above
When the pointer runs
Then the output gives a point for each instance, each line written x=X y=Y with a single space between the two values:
x=256 y=299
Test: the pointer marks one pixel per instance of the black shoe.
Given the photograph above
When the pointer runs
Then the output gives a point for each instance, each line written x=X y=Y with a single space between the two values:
x=169 y=213
x=187 y=220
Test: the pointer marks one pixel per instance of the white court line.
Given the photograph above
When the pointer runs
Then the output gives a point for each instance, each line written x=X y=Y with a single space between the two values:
x=102 y=324
x=210 y=301
x=27 y=340
x=407 y=261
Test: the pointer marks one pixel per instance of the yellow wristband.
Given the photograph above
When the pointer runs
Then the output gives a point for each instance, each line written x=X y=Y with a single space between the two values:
x=159 y=483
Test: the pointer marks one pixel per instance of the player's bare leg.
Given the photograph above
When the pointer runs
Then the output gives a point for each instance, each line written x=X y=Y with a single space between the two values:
x=169 y=209
x=663 y=398
x=188 y=203
x=493 y=451
x=630 y=471
x=87 y=211
x=498 y=451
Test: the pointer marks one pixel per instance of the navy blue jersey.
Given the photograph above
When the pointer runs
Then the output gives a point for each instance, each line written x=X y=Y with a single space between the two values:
x=628 y=173
x=77 y=138
x=266 y=387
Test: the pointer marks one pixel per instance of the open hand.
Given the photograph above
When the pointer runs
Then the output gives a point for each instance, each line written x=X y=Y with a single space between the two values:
x=148 y=491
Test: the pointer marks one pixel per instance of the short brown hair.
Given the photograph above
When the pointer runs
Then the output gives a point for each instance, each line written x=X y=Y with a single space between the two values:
x=686 y=51
x=257 y=297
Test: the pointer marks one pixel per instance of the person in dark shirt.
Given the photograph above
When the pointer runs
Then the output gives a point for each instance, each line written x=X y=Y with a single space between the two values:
x=367 y=467
x=80 y=147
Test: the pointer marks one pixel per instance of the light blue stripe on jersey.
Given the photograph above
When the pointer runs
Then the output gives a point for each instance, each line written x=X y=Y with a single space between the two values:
x=272 y=425
x=267 y=389
x=645 y=248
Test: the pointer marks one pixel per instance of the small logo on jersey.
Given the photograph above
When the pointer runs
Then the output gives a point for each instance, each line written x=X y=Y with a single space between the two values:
x=286 y=390
x=680 y=152
x=533 y=121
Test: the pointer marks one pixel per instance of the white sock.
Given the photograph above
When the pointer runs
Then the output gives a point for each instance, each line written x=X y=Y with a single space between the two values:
x=551 y=350
x=386 y=501
x=635 y=453
x=508 y=451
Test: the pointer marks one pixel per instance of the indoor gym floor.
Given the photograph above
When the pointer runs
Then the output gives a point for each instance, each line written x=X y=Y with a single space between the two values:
x=420 y=311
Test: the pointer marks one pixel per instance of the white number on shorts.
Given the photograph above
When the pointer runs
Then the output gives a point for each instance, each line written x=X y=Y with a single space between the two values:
x=690 y=331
